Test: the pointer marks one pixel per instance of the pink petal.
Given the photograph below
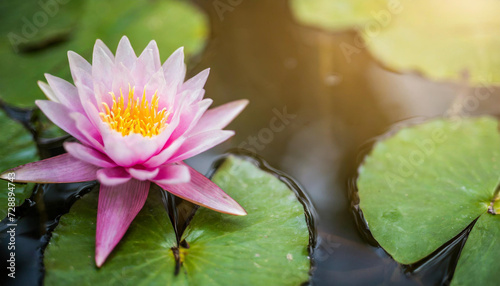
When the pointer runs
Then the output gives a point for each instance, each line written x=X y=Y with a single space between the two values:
x=83 y=79
x=203 y=192
x=117 y=208
x=113 y=176
x=89 y=103
x=172 y=174
x=196 y=82
x=143 y=174
x=88 y=131
x=202 y=108
x=156 y=54
x=200 y=142
x=178 y=103
x=190 y=116
x=157 y=84
x=99 y=44
x=102 y=69
x=122 y=79
x=219 y=117
x=125 y=53
x=47 y=90
x=174 y=73
x=165 y=154
x=197 y=95
x=88 y=155
x=144 y=68
x=175 y=69
x=130 y=150
x=60 y=116
x=60 y=169
x=66 y=93
x=81 y=70
x=163 y=137
x=102 y=87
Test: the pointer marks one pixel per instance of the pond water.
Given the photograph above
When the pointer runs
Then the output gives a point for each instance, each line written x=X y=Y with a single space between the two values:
x=313 y=113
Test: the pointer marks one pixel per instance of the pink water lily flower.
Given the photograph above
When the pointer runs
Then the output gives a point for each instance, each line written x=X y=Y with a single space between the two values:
x=136 y=120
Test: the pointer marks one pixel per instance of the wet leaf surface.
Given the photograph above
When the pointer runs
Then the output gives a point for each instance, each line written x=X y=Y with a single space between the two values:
x=17 y=148
x=423 y=186
x=269 y=246
x=478 y=264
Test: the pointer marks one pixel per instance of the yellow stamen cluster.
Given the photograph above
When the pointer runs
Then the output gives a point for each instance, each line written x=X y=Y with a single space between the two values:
x=137 y=116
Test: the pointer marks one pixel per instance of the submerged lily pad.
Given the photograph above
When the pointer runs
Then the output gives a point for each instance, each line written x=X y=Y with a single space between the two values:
x=75 y=26
x=442 y=39
x=269 y=246
x=17 y=148
x=421 y=187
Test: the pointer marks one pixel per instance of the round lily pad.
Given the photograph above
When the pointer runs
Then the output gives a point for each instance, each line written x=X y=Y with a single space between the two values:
x=18 y=148
x=425 y=184
x=269 y=246
x=336 y=15
x=444 y=40
x=30 y=49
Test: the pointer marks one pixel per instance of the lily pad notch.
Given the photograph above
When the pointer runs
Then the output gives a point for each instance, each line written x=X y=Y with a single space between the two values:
x=274 y=244
x=299 y=191
x=426 y=184
x=180 y=221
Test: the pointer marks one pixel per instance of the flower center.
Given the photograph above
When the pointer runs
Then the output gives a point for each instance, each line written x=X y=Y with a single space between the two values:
x=137 y=116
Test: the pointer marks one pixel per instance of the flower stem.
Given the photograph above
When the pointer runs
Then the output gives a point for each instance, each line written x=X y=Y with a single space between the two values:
x=495 y=203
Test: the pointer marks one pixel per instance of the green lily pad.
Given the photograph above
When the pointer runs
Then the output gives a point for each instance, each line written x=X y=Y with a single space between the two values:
x=32 y=24
x=442 y=40
x=17 y=148
x=421 y=187
x=269 y=246
x=76 y=26
x=424 y=185
x=336 y=15
x=408 y=35
x=478 y=264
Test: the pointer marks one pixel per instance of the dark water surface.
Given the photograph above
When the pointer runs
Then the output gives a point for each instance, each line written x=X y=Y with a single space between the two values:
x=312 y=112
